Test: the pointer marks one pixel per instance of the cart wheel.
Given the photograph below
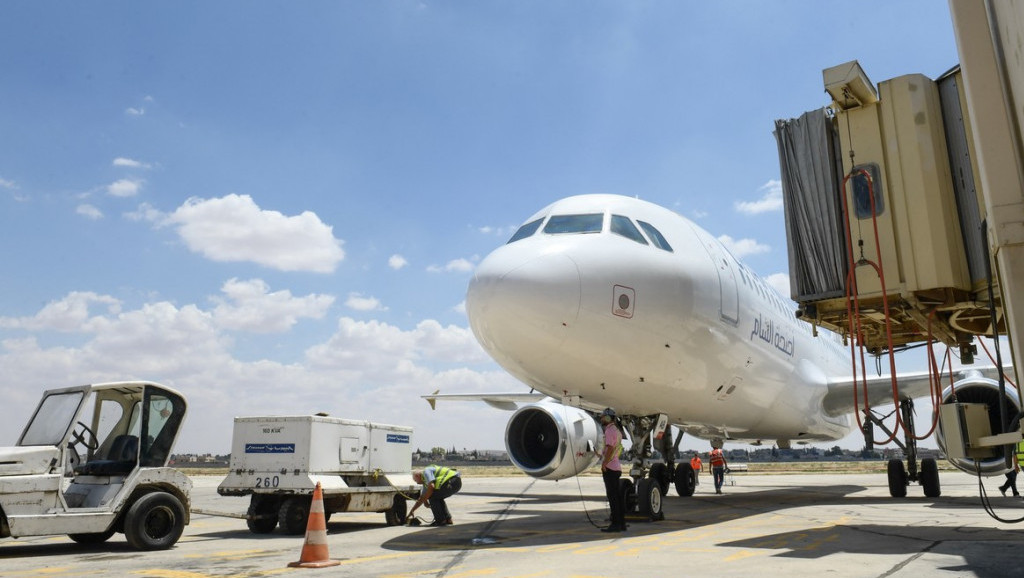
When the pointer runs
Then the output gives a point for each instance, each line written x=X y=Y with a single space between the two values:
x=262 y=515
x=396 y=515
x=294 y=514
x=154 y=522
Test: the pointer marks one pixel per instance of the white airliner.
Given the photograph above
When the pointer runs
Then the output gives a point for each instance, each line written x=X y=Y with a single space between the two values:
x=609 y=301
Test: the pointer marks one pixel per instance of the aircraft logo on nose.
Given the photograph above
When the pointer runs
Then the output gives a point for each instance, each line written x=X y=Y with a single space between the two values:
x=623 y=299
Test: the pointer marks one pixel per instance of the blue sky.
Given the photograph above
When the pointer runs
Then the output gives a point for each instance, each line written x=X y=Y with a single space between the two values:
x=275 y=207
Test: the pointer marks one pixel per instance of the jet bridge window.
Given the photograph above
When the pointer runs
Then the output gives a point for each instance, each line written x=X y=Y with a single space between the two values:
x=562 y=224
x=526 y=230
x=623 y=226
x=863 y=191
x=656 y=237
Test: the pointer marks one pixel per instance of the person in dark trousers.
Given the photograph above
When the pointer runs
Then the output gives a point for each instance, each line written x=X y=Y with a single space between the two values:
x=611 y=471
x=1011 y=476
x=718 y=466
x=438 y=483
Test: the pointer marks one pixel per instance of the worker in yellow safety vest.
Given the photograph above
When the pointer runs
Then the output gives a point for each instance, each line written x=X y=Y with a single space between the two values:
x=439 y=483
x=1011 y=476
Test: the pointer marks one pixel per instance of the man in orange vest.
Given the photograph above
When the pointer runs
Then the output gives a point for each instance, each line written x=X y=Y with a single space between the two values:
x=718 y=466
x=697 y=466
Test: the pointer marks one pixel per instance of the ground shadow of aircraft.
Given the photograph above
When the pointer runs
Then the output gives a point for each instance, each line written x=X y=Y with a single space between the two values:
x=525 y=521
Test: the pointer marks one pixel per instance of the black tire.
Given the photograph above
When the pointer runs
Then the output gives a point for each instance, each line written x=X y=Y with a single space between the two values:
x=648 y=498
x=686 y=481
x=897 y=478
x=396 y=515
x=294 y=514
x=93 y=538
x=628 y=494
x=154 y=522
x=660 y=474
x=930 y=478
x=262 y=515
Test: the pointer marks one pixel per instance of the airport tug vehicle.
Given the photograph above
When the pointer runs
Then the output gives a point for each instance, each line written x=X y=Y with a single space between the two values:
x=92 y=461
x=278 y=461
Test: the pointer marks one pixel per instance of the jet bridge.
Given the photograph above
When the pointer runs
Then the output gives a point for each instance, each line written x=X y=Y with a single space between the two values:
x=883 y=213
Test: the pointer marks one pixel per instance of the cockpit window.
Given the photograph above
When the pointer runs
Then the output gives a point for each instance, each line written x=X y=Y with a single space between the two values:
x=656 y=237
x=560 y=224
x=526 y=230
x=623 y=226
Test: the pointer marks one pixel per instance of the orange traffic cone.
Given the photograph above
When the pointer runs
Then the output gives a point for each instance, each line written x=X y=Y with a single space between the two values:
x=314 y=550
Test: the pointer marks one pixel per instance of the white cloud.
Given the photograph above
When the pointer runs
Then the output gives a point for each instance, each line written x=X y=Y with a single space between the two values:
x=133 y=111
x=70 y=314
x=366 y=370
x=251 y=307
x=396 y=262
x=359 y=303
x=6 y=184
x=460 y=308
x=145 y=212
x=89 y=211
x=771 y=200
x=233 y=228
x=742 y=247
x=130 y=163
x=124 y=188
x=780 y=281
x=453 y=266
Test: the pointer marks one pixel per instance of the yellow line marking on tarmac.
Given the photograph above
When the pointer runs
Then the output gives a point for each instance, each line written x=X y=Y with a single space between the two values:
x=166 y=573
x=742 y=555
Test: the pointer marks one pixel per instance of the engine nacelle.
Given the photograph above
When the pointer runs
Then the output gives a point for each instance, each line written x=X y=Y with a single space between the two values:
x=979 y=389
x=551 y=441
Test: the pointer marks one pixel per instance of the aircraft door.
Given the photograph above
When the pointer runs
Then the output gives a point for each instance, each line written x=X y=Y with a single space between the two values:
x=728 y=288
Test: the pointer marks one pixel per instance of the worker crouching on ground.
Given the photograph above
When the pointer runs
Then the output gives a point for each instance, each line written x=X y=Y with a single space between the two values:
x=438 y=483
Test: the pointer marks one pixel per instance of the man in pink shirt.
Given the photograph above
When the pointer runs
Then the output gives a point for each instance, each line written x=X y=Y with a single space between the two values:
x=611 y=471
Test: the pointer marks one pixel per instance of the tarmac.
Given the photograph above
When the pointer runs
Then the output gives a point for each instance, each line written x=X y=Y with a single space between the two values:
x=762 y=526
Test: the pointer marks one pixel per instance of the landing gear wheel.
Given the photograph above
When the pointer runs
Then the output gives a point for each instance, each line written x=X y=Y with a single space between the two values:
x=154 y=522
x=262 y=515
x=930 y=478
x=93 y=538
x=897 y=478
x=294 y=514
x=628 y=494
x=659 y=473
x=686 y=481
x=396 y=515
x=648 y=497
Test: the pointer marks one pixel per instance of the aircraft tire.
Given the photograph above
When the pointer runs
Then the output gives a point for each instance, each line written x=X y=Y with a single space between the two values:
x=648 y=496
x=686 y=481
x=628 y=493
x=897 y=478
x=930 y=478
x=660 y=474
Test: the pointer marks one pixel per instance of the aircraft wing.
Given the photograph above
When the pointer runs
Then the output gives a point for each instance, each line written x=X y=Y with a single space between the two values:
x=839 y=398
x=505 y=401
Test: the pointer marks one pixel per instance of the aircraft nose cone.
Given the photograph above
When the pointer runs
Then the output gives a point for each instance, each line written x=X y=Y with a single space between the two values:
x=523 y=311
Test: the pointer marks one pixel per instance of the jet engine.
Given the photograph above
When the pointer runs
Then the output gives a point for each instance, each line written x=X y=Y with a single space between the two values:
x=551 y=441
x=979 y=389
